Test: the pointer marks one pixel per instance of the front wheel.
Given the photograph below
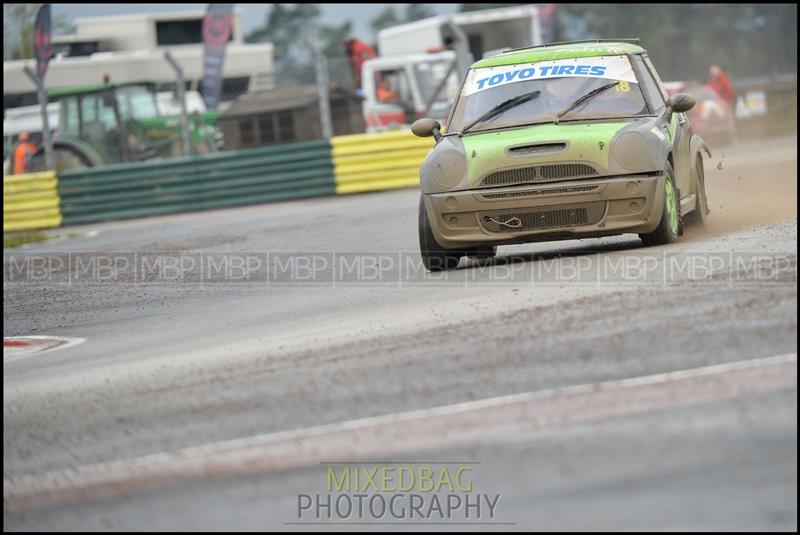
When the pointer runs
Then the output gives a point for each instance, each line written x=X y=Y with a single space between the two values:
x=669 y=225
x=434 y=256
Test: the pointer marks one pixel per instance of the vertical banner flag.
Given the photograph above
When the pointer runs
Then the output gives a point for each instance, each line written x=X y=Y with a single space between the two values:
x=217 y=28
x=43 y=34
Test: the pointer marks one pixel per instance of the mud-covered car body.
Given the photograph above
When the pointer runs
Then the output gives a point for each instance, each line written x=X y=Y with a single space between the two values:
x=528 y=174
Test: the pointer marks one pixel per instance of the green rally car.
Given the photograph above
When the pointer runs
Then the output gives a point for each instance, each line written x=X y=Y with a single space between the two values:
x=570 y=140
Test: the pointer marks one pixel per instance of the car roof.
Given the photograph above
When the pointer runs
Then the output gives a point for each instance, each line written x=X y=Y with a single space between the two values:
x=559 y=51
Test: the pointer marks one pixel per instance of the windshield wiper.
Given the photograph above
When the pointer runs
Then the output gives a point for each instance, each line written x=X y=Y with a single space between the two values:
x=583 y=99
x=503 y=106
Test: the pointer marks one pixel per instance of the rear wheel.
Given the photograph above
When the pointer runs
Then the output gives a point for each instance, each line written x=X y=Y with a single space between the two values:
x=434 y=256
x=65 y=159
x=699 y=215
x=669 y=225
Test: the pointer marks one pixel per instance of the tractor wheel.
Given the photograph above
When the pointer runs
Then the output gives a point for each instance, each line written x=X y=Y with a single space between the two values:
x=66 y=159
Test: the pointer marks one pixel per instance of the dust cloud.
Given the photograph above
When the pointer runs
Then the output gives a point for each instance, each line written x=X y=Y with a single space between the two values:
x=748 y=184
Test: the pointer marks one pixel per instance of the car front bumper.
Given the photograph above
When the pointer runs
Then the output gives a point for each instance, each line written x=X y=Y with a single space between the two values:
x=563 y=210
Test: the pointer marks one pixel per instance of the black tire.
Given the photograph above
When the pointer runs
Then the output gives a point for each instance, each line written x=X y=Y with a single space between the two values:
x=699 y=215
x=434 y=256
x=669 y=226
x=66 y=159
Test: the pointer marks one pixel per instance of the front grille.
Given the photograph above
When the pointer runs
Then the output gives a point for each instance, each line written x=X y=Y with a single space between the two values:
x=533 y=193
x=539 y=173
x=542 y=218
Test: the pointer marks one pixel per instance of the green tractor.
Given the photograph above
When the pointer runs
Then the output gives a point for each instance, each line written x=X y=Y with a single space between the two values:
x=113 y=123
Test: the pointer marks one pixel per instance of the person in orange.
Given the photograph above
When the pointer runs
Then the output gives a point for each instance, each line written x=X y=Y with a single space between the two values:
x=719 y=82
x=23 y=153
x=385 y=93
x=358 y=52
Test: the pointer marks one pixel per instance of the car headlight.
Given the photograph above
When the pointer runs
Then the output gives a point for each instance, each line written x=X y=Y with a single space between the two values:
x=631 y=150
x=445 y=167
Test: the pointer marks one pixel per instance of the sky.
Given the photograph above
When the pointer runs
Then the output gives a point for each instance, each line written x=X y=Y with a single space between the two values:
x=253 y=15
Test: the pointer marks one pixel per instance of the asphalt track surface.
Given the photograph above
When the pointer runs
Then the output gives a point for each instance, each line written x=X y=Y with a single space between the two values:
x=591 y=384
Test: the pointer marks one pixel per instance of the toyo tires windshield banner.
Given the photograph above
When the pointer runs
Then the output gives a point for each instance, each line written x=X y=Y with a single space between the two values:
x=217 y=28
x=612 y=67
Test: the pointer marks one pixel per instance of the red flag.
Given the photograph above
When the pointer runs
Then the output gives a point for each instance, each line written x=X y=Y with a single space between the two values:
x=217 y=28
x=43 y=33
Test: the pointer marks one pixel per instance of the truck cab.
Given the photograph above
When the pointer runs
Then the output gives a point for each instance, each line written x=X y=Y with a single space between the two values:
x=422 y=63
x=398 y=89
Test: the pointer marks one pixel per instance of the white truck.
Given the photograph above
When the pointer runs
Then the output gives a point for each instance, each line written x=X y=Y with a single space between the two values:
x=421 y=64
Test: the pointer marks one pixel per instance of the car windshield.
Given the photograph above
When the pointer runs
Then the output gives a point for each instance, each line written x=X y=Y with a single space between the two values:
x=560 y=84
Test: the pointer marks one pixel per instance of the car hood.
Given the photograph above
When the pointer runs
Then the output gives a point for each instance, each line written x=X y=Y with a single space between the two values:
x=582 y=142
x=611 y=147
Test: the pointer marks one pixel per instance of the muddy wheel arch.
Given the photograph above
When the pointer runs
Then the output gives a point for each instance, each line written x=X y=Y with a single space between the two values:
x=697 y=146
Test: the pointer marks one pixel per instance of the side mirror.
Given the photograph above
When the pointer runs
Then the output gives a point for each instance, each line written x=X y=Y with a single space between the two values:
x=427 y=127
x=682 y=102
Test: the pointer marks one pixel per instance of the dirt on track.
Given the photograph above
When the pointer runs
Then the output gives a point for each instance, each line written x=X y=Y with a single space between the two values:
x=170 y=366
x=745 y=190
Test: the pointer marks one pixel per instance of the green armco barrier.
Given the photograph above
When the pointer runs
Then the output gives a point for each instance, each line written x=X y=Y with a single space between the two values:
x=233 y=178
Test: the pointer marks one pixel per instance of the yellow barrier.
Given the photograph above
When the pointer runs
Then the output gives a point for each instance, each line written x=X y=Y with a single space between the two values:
x=31 y=202
x=371 y=162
